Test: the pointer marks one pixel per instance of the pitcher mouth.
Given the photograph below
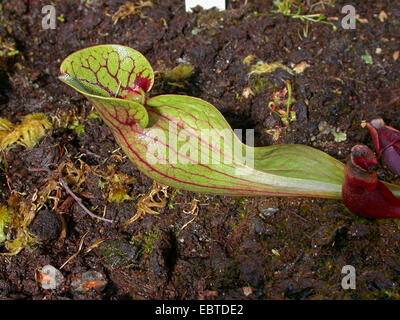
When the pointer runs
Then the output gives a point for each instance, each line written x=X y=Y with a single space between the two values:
x=377 y=123
x=364 y=158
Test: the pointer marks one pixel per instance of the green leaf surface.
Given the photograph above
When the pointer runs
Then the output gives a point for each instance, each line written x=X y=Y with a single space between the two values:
x=284 y=170
x=111 y=74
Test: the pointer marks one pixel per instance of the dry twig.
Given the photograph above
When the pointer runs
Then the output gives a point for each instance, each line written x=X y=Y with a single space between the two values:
x=71 y=193
x=76 y=253
x=130 y=8
x=147 y=201
x=194 y=211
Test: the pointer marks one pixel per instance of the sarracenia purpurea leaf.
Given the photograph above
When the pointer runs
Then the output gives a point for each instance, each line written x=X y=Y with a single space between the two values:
x=185 y=142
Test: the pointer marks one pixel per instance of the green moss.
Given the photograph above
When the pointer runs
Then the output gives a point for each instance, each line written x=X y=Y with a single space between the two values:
x=179 y=73
x=119 y=194
x=61 y=18
x=5 y=219
x=117 y=253
x=13 y=53
x=305 y=209
x=262 y=67
x=259 y=84
x=210 y=18
x=173 y=198
x=94 y=115
x=116 y=185
x=146 y=241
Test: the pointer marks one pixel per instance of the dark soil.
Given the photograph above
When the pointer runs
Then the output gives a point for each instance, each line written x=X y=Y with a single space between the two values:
x=281 y=248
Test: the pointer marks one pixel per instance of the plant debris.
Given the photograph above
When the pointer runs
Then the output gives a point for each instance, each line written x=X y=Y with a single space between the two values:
x=262 y=67
x=157 y=197
x=27 y=133
x=299 y=68
x=116 y=185
x=179 y=73
x=18 y=236
x=76 y=177
x=130 y=8
x=76 y=253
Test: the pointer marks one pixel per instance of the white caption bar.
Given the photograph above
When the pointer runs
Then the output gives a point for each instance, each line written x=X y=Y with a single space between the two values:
x=206 y=4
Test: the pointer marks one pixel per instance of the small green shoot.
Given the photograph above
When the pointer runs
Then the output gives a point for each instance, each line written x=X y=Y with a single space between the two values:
x=78 y=127
x=281 y=105
x=61 y=18
x=367 y=58
x=195 y=31
x=285 y=7
x=339 y=136
x=13 y=53
x=275 y=253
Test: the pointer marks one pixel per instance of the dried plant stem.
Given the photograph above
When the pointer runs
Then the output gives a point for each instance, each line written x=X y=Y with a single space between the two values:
x=194 y=212
x=79 y=201
x=72 y=194
x=76 y=253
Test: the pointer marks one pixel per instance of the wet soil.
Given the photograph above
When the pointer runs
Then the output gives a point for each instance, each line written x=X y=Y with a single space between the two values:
x=235 y=248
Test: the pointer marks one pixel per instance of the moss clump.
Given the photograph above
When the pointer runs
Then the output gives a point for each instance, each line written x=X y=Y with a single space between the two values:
x=27 y=133
x=116 y=185
x=117 y=253
x=260 y=83
x=179 y=73
x=5 y=218
x=261 y=70
x=211 y=20
x=146 y=241
x=16 y=217
x=119 y=194
x=262 y=67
